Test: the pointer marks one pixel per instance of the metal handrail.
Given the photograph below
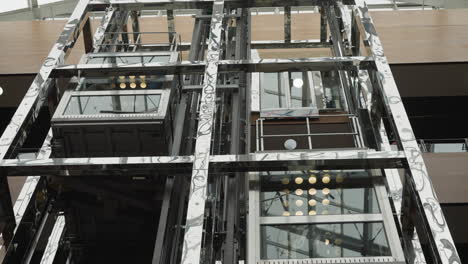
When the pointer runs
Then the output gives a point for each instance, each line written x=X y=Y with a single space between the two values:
x=356 y=132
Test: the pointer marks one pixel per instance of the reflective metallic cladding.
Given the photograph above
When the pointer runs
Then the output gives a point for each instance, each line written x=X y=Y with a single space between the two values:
x=251 y=159
x=433 y=216
x=191 y=252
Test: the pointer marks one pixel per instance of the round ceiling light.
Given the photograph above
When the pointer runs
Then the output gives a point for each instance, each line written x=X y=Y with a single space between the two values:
x=298 y=83
x=299 y=180
x=312 y=191
x=312 y=179
x=299 y=203
x=290 y=144
x=312 y=202
x=299 y=192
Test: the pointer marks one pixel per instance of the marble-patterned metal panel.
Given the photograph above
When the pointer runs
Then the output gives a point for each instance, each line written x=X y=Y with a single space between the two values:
x=29 y=108
x=392 y=176
x=53 y=242
x=192 y=247
x=394 y=105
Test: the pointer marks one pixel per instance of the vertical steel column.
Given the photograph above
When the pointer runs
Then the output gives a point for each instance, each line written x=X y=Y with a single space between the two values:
x=198 y=186
x=7 y=215
x=162 y=225
x=54 y=240
x=287 y=24
x=339 y=51
x=88 y=36
x=23 y=202
x=106 y=23
x=29 y=108
x=323 y=25
x=170 y=24
x=413 y=249
x=134 y=16
x=441 y=243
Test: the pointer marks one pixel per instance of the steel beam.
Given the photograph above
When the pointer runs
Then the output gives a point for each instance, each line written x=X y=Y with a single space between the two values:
x=88 y=36
x=29 y=108
x=292 y=44
x=134 y=15
x=192 y=245
x=186 y=67
x=170 y=24
x=54 y=241
x=287 y=24
x=321 y=219
x=7 y=215
x=128 y=166
x=441 y=246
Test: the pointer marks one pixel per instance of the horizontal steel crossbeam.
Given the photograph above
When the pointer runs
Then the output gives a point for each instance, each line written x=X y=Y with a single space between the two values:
x=186 y=67
x=219 y=163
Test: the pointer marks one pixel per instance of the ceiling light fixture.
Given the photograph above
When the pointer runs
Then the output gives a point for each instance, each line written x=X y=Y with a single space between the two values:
x=298 y=83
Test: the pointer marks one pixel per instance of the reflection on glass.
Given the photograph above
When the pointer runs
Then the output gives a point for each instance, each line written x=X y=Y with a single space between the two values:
x=323 y=241
x=272 y=93
x=332 y=87
x=446 y=147
x=300 y=93
x=114 y=104
x=331 y=192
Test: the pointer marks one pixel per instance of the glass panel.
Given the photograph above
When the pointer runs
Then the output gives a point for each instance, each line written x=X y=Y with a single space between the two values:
x=127 y=82
x=300 y=93
x=115 y=104
x=332 y=87
x=13 y=5
x=323 y=241
x=272 y=94
x=447 y=147
x=300 y=193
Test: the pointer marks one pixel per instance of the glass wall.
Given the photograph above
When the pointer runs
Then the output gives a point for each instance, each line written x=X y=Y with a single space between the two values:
x=321 y=214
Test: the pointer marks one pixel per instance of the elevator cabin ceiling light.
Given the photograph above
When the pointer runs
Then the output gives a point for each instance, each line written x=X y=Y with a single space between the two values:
x=312 y=202
x=1 y=90
x=298 y=83
x=290 y=144
x=299 y=192
x=312 y=179
x=312 y=191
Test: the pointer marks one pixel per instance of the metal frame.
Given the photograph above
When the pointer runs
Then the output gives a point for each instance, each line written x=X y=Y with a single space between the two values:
x=385 y=217
x=348 y=26
x=160 y=114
